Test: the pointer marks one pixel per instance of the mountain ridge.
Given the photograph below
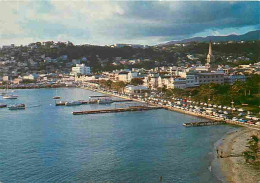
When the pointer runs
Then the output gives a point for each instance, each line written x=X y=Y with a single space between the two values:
x=249 y=36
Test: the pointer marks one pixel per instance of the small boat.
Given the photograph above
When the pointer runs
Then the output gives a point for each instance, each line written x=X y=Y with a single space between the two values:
x=10 y=97
x=59 y=103
x=2 y=105
x=3 y=93
x=17 y=107
x=73 y=103
x=56 y=97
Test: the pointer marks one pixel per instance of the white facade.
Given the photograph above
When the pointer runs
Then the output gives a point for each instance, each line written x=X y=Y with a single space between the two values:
x=80 y=69
x=135 y=89
x=132 y=75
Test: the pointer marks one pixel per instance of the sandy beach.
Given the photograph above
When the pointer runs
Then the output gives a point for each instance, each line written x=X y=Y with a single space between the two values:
x=232 y=164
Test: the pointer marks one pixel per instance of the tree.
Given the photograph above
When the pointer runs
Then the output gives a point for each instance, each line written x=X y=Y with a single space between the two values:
x=137 y=81
x=119 y=86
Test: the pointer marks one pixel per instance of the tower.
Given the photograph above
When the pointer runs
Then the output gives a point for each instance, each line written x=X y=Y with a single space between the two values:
x=210 y=57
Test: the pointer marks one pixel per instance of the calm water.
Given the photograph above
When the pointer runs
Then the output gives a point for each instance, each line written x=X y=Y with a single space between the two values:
x=45 y=143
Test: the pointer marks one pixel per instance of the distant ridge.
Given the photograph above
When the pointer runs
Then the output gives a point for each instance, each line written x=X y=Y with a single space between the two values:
x=250 y=36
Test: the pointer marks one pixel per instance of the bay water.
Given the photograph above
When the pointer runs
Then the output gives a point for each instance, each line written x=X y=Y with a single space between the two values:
x=46 y=143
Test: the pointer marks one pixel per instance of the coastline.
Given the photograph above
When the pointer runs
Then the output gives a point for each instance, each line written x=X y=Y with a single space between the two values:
x=210 y=117
x=231 y=162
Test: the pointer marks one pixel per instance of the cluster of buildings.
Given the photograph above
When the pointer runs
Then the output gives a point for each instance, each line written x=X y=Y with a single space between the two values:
x=173 y=77
x=18 y=64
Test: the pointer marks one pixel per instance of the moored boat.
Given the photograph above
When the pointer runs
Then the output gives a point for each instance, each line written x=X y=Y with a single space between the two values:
x=2 y=105
x=10 y=97
x=56 y=97
x=17 y=107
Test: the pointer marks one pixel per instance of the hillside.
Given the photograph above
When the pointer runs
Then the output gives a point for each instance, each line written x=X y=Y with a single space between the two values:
x=250 y=36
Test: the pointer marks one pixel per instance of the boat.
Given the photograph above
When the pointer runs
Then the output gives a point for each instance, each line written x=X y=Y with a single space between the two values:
x=105 y=101
x=17 y=107
x=10 y=96
x=6 y=94
x=73 y=103
x=3 y=93
x=2 y=105
x=56 y=97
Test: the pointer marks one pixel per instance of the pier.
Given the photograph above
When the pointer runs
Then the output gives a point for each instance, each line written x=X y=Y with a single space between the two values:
x=128 y=109
x=204 y=123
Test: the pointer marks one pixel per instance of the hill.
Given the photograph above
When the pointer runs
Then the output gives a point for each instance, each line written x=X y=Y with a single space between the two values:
x=250 y=36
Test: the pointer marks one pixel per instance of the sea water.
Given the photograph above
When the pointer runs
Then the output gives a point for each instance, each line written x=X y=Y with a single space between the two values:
x=46 y=143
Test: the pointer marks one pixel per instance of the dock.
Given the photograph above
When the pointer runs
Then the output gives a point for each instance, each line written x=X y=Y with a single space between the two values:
x=204 y=123
x=116 y=110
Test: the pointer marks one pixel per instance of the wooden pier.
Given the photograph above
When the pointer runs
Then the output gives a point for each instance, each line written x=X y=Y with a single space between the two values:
x=128 y=109
x=204 y=123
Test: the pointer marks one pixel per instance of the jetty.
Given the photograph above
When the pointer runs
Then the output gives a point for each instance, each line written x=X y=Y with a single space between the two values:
x=116 y=110
x=204 y=123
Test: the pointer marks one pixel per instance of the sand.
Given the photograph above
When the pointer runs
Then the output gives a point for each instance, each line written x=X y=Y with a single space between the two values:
x=232 y=163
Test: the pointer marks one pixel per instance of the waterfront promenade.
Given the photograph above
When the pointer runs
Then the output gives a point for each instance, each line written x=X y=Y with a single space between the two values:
x=210 y=117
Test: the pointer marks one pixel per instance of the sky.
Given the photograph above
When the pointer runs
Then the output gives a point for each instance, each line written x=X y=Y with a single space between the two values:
x=132 y=22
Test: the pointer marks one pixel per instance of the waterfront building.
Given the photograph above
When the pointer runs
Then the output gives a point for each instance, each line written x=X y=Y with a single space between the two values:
x=80 y=69
x=130 y=89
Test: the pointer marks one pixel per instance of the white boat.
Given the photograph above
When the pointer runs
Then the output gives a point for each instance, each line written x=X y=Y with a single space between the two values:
x=73 y=103
x=10 y=97
x=17 y=107
x=2 y=105
x=56 y=97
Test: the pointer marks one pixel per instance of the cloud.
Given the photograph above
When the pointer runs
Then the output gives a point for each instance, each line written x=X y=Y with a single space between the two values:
x=110 y=22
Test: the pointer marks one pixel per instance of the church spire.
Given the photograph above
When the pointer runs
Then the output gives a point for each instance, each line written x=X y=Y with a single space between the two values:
x=210 y=57
x=210 y=49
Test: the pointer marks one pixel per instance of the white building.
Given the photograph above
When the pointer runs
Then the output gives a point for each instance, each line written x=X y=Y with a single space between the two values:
x=80 y=69
x=135 y=89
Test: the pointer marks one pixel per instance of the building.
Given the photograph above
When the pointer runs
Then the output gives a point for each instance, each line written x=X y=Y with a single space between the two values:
x=230 y=79
x=80 y=69
x=130 y=89
x=177 y=82
x=123 y=76
x=192 y=80
x=211 y=77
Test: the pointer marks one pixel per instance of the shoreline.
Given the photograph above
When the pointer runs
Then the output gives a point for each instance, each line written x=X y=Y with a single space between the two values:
x=231 y=162
x=225 y=167
x=230 y=122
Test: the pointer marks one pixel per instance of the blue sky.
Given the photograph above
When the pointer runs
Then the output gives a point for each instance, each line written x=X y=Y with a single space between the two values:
x=109 y=22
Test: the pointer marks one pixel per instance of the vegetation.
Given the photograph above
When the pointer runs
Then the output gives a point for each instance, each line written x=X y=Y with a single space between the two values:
x=241 y=93
x=136 y=81
x=108 y=84
x=251 y=156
